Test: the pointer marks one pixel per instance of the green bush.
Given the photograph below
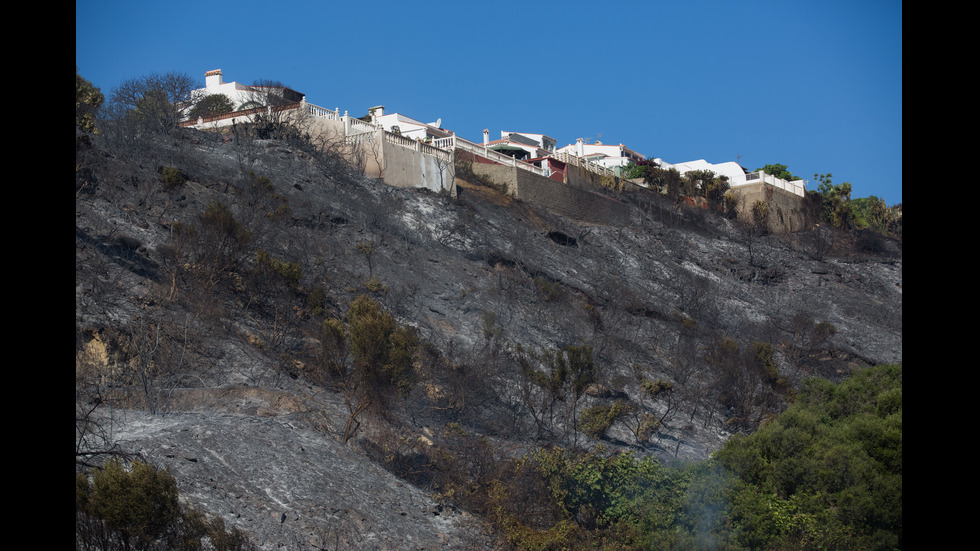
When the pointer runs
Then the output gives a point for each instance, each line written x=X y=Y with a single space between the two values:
x=138 y=509
x=172 y=177
x=827 y=473
x=290 y=272
x=596 y=420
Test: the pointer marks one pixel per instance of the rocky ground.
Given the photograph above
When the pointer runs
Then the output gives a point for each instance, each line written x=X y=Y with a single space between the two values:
x=479 y=276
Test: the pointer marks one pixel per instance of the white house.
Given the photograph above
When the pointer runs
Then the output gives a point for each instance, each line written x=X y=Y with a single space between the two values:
x=408 y=127
x=242 y=96
x=737 y=176
x=521 y=145
x=609 y=156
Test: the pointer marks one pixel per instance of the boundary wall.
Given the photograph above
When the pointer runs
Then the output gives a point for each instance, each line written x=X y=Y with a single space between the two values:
x=785 y=207
x=571 y=201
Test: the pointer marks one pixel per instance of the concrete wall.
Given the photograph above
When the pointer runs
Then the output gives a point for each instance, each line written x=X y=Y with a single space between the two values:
x=785 y=208
x=406 y=168
x=573 y=202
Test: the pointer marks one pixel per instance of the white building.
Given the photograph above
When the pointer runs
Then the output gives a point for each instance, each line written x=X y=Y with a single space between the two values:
x=242 y=96
x=521 y=145
x=408 y=127
x=608 y=156
x=737 y=176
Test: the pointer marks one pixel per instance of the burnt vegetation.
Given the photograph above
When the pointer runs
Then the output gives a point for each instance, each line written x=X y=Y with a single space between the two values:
x=498 y=356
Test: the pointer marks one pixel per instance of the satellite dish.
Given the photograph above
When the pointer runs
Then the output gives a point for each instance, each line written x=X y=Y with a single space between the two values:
x=437 y=124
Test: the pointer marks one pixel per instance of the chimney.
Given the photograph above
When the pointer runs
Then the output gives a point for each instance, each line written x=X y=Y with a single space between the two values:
x=376 y=111
x=212 y=79
x=486 y=136
x=580 y=147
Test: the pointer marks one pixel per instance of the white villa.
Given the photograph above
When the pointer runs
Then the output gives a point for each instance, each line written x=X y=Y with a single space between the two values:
x=242 y=96
x=736 y=174
x=408 y=127
x=608 y=156
x=521 y=145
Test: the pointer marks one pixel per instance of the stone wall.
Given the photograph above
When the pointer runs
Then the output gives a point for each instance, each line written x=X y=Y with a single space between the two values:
x=580 y=177
x=785 y=208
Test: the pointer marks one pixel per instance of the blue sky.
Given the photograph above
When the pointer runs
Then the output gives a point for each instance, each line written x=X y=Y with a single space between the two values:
x=814 y=85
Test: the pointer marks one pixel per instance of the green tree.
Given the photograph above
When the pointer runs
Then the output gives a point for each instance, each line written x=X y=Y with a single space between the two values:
x=779 y=171
x=871 y=213
x=382 y=355
x=827 y=472
x=835 y=202
x=210 y=106
x=88 y=99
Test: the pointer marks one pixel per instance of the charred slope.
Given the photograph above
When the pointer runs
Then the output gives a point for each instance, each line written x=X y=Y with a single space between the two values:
x=204 y=268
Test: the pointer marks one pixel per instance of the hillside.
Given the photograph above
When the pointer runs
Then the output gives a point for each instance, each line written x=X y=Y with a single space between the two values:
x=208 y=270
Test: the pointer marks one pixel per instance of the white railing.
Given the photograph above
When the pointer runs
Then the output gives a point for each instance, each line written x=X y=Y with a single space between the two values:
x=796 y=187
x=322 y=112
x=591 y=166
x=487 y=153
x=415 y=145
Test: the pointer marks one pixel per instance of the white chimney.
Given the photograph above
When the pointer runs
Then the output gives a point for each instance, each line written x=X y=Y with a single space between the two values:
x=486 y=136
x=212 y=79
x=580 y=147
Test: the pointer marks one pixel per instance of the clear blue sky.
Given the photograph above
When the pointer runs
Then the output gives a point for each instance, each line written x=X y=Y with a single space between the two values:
x=815 y=85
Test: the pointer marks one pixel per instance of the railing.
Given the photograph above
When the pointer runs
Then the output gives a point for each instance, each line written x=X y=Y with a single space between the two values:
x=487 y=153
x=361 y=126
x=322 y=112
x=591 y=166
x=796 y=187
x=416 y=145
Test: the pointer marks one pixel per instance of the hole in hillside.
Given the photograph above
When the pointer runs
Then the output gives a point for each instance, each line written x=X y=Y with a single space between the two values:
x=562 y=239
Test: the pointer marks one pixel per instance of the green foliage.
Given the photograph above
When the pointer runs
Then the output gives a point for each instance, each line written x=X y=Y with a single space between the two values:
x=317 y=300
x=382 y=350
x=172 y=177
x=289 y=272
x=139 y=509
x=210 y=106
x=779 y=171
x=835 y=202
x=631 y=171
x=648 y=425
x=827 y=473
x=88 y=99
x=629 y=503
x=716 y=189
x=374 y=285
x=871 y=213
x=657 y=388
x=596 y=420
x=697 y=182
x=666 y=181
